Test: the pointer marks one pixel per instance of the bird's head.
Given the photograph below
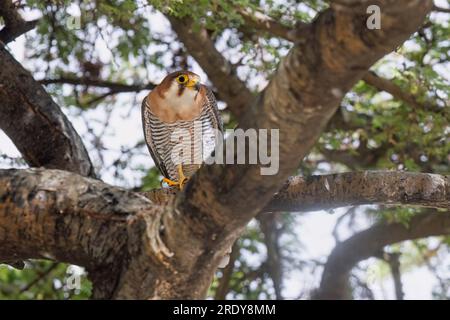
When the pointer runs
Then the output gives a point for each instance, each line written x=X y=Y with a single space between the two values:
x=180 y=88
x=185 y=79
x=180 y=96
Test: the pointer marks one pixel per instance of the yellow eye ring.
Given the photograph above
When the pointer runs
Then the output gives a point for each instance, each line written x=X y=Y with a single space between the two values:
x=182 y=79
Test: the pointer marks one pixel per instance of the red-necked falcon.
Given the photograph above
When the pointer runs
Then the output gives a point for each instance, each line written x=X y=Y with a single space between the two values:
x=180 y=101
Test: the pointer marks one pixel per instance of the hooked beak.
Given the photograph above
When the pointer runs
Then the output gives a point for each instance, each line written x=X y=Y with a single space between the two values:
x=194 y=83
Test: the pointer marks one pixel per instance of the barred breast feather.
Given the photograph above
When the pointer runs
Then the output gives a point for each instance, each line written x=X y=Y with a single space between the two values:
x=161 y=137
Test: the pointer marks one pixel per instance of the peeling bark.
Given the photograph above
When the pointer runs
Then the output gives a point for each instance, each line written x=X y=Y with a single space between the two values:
x=62 y=216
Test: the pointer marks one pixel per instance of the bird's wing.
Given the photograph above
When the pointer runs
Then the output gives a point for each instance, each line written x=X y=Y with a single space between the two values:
x=211 y=104
x=148 y=125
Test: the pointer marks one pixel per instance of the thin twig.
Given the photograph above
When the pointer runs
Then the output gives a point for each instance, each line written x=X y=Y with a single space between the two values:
x=39 y=277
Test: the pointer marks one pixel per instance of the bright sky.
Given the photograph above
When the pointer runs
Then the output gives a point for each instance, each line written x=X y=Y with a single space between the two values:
x=314 y=228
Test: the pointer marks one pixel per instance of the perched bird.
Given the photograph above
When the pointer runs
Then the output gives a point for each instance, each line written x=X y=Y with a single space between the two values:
x=180 y=102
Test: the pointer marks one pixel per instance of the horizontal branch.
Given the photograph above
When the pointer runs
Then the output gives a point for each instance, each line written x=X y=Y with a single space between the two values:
x=358 y=188
x=368 y=243
x=114 y=86
x=322 y=192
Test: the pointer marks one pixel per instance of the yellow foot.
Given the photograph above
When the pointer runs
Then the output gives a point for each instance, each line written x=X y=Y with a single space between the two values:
x=180 y=184
x=169 y=182
x=183 y=178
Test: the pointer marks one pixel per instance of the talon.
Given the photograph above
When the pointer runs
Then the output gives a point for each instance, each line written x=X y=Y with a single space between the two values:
x=169 y=182
x=181 y=176
x=182 y=179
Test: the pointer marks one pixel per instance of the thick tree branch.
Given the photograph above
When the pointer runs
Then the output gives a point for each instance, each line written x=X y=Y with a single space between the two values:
x=338 y=51
x=184 y=241
x=222 y=74
x=62 y=216
x=334 y=283
x=330 y=191
x=358 y=188
x=304 y=93
x=14 y=24
x=36 y=124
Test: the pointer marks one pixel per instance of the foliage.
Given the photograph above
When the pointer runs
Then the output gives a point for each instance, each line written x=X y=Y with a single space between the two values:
x=40 y=280
x=119 y=41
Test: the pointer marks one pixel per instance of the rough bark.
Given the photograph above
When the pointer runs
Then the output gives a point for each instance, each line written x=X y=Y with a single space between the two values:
x=124 y=239
x=62 y=216
x=368 y=243
x=322 y=192
x=303 y=94
x=134 y=248
x=358 y=188
x=35 y=123
x=335 y=52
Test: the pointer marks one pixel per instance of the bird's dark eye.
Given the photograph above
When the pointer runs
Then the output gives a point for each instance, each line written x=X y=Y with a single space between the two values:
x=182 y=79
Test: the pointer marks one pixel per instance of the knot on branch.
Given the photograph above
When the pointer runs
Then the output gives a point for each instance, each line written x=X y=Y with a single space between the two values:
x=144 y=231
x=147 y=257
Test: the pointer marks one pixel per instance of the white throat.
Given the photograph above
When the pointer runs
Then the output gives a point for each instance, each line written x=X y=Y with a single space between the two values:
x=183 y=101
